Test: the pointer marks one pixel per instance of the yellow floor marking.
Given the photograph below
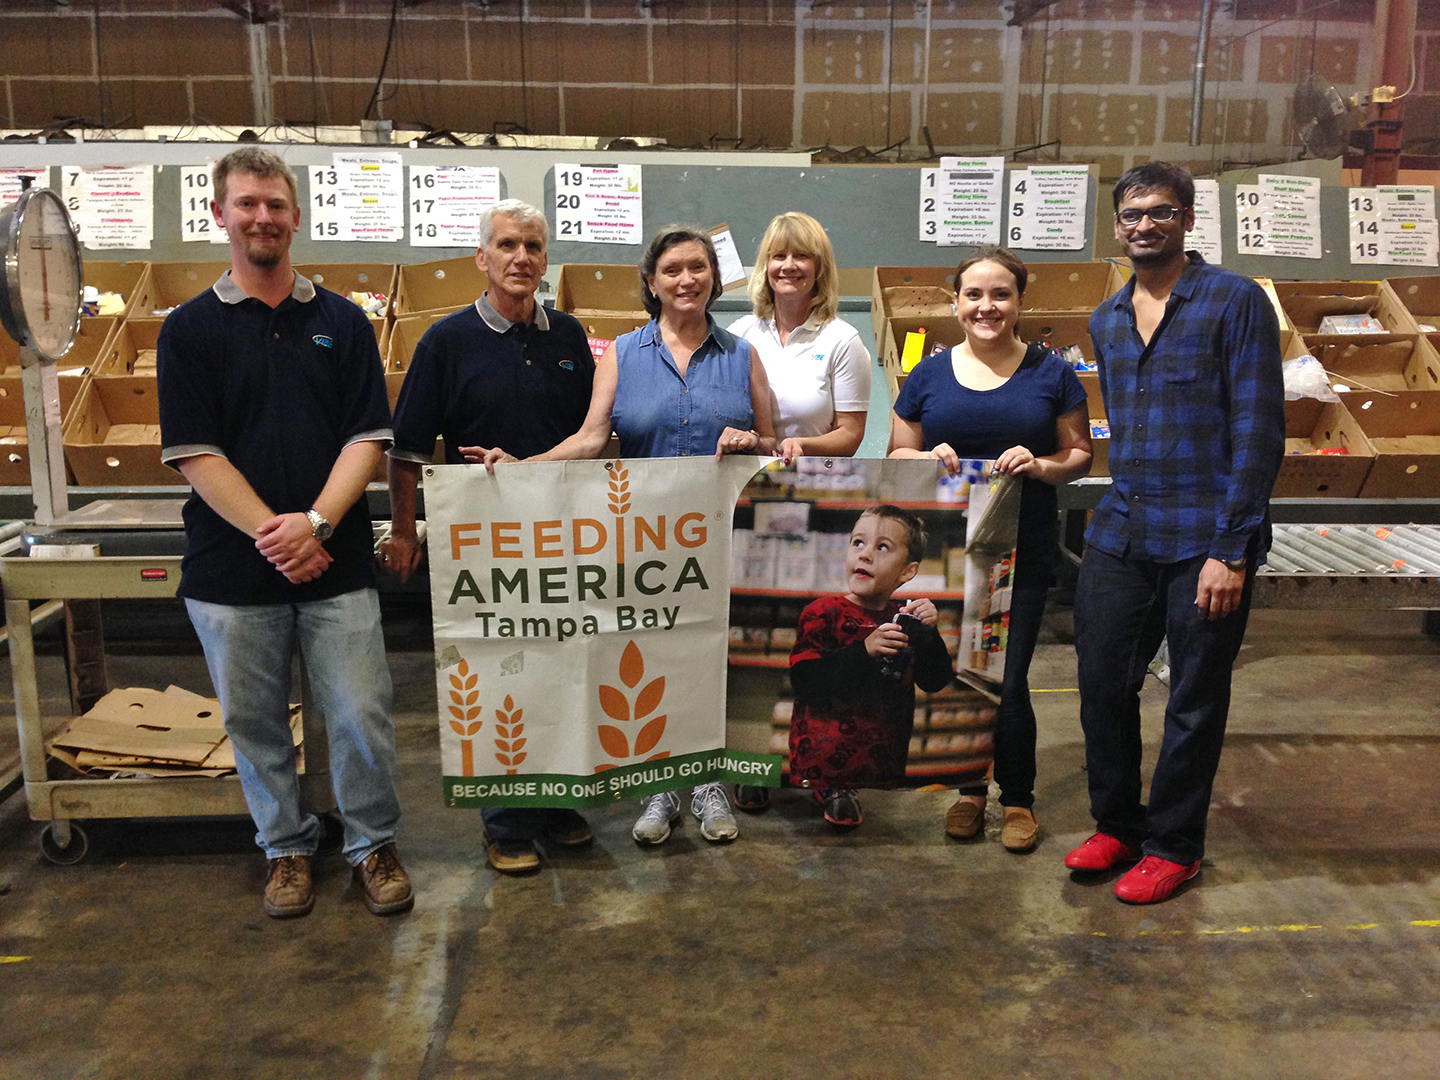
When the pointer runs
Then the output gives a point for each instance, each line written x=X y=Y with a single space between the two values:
x=13 y=959
x=1426 y=922
x=1057 y=690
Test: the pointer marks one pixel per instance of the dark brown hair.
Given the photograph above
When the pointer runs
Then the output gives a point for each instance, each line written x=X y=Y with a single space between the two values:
x=1004 y=256
x=915 y=537
x=662 y=242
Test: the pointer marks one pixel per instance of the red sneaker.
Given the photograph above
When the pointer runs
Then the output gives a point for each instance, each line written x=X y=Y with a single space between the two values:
x=1101 y=852
x=1155 y=879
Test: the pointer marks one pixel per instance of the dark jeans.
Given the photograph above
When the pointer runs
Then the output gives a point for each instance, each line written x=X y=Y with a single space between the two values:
x=521 y=823
x=1123 y=608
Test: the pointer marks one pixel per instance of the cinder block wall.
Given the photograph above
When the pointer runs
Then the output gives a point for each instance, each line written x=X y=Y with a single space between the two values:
x=1108 y=79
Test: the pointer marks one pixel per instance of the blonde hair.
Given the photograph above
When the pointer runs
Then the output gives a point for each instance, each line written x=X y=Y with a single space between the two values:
x=802 y=234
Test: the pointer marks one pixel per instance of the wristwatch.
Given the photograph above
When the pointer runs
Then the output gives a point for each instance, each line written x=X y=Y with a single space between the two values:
x=319 y=527
x=1236 y=566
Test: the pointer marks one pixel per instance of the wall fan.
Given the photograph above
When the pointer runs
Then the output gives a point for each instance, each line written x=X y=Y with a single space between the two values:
x=1322 y=117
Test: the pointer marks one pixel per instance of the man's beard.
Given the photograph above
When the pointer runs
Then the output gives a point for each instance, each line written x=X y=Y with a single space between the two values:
x=265 y=258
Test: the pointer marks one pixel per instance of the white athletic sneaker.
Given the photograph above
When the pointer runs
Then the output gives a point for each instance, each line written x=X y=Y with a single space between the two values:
x=661 y=813
x=710 y=805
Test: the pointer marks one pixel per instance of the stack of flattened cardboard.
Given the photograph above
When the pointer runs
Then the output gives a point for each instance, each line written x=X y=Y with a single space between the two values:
x=141 y=732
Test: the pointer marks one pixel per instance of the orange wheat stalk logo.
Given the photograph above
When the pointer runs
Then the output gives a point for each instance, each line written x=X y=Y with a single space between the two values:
x=617 y=706
x=464 y=707
x=619 y=488
x=509 y=730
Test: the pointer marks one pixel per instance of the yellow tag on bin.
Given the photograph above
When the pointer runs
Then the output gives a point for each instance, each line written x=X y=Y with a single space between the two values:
x=914 y=350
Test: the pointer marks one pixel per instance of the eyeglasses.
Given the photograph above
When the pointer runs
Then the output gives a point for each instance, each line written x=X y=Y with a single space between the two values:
x=1158 y=214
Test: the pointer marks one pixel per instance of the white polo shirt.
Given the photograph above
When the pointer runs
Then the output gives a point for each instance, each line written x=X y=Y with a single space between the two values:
x=822 y=370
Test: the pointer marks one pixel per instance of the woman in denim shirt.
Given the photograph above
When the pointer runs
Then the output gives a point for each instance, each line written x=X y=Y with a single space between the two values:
x=678 y=387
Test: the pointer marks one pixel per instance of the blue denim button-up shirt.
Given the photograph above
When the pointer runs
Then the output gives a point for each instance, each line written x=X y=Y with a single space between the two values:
x=1197 y=420
x=660 y=413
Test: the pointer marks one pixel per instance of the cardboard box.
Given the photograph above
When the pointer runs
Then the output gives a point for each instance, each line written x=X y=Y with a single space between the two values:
x=130 y=279
x=1307 y=302
x=1070 y=286
x=1316 y=425
x=445 y=284
x=601 y=330
x=345 y=278
x=171 y=284
x=1093 y=398
x=1059 y=330
x=405 y=335
x=601 y=290
x=1420 y=296
x=1361 y=364
x=1404 y=431
x=73 y=368
x=113 y=434
x=131 y=352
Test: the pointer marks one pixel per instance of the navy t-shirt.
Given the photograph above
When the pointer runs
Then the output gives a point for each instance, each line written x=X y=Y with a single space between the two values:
x=279 y=392
x=524 y=390
x=985 y=423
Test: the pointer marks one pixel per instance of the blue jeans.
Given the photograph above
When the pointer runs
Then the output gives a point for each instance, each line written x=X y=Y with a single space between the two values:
x=248 y=649
x=523 y=823
x=1123 y=608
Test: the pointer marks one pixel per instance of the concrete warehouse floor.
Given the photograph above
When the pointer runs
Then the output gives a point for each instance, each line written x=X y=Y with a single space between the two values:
x=1308 y=947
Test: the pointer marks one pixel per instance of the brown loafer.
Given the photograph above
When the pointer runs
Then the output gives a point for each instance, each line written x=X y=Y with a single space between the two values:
x=1020 y=829
x=384 y=883
x=568 y=829
x=289 y=891
x=966 y=819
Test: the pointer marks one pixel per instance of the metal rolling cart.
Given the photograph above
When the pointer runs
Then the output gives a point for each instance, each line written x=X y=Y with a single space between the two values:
x=138 y=541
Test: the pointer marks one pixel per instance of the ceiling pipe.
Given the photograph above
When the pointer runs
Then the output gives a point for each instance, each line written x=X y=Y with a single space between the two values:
x=1197 y=92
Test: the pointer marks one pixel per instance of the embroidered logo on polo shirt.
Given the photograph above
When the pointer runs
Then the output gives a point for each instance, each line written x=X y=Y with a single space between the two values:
x=567 y=365
x=323 y=341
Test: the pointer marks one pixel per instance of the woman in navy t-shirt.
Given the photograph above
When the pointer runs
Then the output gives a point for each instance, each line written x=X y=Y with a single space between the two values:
x=993 y=396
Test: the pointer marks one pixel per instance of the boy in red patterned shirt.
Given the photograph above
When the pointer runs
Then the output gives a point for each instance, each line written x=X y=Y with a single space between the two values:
x=856 y=663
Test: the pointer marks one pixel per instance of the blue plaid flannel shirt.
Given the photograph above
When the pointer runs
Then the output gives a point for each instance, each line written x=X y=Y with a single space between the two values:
x=1197 y=420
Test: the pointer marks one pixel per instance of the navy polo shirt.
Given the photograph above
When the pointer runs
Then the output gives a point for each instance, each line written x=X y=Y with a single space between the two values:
x=477 y=379
x=278 y=392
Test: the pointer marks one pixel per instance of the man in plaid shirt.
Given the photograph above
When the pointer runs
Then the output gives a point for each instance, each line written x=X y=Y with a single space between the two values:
x=1189 y=358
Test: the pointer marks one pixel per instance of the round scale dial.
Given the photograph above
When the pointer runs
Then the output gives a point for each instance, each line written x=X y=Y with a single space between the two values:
x=43 y=289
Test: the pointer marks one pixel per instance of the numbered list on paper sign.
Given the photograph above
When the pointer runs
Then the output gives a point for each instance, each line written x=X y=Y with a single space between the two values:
x=1393 y=224
x=1047 y=207
x=113 y=206
x=10 y=186
x=970 y=196
x=1205 y=236
x=599 y=204
x=445 y=202
x=1279 y=216
x=358 y=197
x=197 y=224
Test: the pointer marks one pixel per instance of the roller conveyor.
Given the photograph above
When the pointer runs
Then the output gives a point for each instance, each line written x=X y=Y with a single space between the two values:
x=1351 y=566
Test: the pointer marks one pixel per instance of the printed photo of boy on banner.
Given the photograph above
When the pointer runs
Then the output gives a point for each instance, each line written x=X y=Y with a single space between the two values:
x=582 y=612
x=810 y=587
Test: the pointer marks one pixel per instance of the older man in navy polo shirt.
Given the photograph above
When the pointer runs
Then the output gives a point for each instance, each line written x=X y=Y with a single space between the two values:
x=501 y=379
x=1189 y=358
x=272 y=405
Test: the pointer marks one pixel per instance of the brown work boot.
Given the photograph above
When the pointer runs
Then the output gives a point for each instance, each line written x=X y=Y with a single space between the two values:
x=384 y=883
x=966 y=818
x=289 y=892
x=1020 y=830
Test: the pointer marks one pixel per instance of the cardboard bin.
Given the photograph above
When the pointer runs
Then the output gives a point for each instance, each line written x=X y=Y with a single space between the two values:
x=1420 y=296
x=1404 y=431
x=130 y=279
x=113 y=435
x=1312 y=425
x=1059 y=330
x=1306 y=303
x=602 y=330
x=1076 y=287
x=600 y=289
x=171 y=284
x=1400 y=364
x=345 y=278
x=131 y=352
x=442 y=285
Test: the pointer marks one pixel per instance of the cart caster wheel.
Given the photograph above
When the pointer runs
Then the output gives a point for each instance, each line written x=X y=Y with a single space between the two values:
x=332 y=835
x=69 y=855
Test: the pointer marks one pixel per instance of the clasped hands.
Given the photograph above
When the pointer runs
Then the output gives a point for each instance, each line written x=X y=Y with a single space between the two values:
x=289 y=543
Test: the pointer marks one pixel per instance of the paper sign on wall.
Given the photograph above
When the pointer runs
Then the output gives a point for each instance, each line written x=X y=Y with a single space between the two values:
x=929 y=204
x=113 y=206
x=1047 y=207
x=1393 y=224
x=1205 y=236
x=445 y=202
x=358 y=197
x=10 y=182
x=970 y=194
x=599 y=204
x=732 y=267
x=197 y=224
x=1279 y=216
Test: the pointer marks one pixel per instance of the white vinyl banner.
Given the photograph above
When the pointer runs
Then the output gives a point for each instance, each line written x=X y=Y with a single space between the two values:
x=581 y=622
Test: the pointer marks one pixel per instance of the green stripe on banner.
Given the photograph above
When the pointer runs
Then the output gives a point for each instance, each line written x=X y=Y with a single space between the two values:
x=612 y=785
